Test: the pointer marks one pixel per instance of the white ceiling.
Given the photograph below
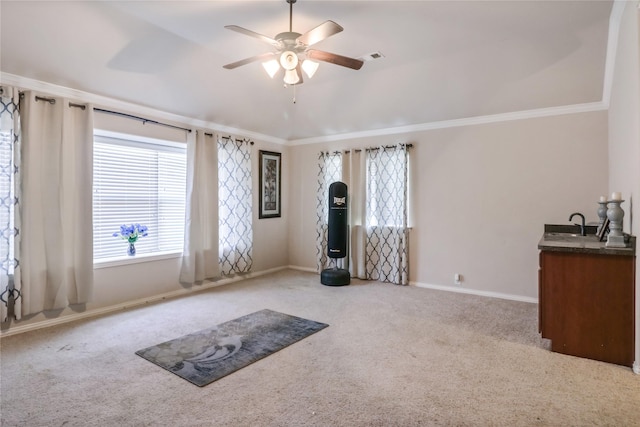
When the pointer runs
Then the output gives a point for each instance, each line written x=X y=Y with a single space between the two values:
x=444 y=60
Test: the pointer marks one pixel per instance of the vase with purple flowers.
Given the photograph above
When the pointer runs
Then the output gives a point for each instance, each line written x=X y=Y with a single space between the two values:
x=131 y=233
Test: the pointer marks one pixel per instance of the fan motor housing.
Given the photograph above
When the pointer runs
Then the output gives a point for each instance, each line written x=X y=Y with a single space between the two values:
x=289 y=39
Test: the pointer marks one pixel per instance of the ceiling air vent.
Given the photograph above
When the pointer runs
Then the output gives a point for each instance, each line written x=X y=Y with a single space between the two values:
x=371 y=56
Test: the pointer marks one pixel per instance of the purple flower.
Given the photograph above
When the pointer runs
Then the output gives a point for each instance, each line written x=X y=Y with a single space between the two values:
x=132 y=232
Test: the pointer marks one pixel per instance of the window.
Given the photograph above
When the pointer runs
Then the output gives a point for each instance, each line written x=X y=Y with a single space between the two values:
x=387 y=191
x=138 y=181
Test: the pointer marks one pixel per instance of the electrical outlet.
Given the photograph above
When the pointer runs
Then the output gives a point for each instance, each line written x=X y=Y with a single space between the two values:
x=457 y=278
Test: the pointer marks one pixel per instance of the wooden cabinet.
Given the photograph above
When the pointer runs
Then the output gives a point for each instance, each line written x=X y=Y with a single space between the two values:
x=586 y=305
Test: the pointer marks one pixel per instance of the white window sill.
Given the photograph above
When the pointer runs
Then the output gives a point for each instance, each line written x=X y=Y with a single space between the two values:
x=136 y=259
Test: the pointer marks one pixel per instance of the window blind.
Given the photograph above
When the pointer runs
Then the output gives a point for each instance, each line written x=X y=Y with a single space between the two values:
x=138 y=183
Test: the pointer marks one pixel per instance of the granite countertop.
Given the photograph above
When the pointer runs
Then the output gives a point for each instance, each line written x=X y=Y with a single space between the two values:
x=567 y=238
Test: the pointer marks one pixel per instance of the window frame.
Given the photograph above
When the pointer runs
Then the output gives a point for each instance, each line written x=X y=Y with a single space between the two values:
x=105 y=136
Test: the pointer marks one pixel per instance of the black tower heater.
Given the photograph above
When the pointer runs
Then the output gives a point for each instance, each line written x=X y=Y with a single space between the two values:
x=338 y=232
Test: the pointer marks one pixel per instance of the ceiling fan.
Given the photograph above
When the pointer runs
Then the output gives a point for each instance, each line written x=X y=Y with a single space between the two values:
x=293 y=51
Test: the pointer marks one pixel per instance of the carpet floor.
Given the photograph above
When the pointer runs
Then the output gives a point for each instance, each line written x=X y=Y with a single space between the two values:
x=393 y=356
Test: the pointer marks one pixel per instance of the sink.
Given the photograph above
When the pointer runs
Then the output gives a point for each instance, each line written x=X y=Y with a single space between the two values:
x=569 y=229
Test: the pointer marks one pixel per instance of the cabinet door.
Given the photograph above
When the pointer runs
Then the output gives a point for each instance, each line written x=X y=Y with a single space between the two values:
x=589 y=305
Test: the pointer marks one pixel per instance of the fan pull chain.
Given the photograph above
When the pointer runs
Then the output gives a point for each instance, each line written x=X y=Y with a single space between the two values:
x=294 y=93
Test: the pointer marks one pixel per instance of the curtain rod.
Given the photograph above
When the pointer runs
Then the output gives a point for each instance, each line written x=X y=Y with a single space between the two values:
x=115 y=113
x=373 y=148
x=357 y=150
x=236 y=139
x=142 y=119
x=53 y=101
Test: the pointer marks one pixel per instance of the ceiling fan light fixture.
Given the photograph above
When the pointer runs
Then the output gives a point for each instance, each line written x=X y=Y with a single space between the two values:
x=271 y=67
x=291 y=77
x=289 y=60
x=292 y=51
x=310 y=67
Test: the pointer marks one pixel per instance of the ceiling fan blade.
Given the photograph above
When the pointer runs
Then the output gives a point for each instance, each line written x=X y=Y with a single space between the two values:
x=333 y=58
x=319 y=33
x=263 y=57
x=250 y=33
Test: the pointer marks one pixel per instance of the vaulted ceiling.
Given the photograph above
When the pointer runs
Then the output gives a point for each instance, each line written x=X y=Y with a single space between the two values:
x=443 y=60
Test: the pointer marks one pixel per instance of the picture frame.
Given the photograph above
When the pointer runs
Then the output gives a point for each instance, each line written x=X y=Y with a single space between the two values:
x=270 y=165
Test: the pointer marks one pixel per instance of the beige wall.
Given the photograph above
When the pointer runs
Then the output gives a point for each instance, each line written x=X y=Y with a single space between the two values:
x=481 y=196
x=624 y=134
x=270 y=243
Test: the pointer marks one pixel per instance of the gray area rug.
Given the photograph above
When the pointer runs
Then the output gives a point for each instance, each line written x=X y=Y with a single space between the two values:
x=208 y=355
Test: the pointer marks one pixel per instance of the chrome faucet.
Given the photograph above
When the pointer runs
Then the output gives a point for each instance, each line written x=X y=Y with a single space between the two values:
x=582 y=230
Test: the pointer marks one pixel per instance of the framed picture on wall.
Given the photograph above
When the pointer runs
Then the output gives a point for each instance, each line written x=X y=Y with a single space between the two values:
x=270 y=184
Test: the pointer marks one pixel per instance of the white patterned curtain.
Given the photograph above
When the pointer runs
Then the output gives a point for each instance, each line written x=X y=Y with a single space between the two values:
x=57 y=230
x=10 y=284
x=329 y=171
x=200 y=258
x=235 y=206
x=387 y=252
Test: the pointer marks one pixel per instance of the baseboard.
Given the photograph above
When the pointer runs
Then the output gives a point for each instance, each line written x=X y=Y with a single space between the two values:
x=636 y=367
x=476 y=292
x=72 y=317
x=299 y=268
x=448 y=288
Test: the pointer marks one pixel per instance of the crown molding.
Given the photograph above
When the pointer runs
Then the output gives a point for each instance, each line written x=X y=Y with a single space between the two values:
x=26 y=83
x=469 y=121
